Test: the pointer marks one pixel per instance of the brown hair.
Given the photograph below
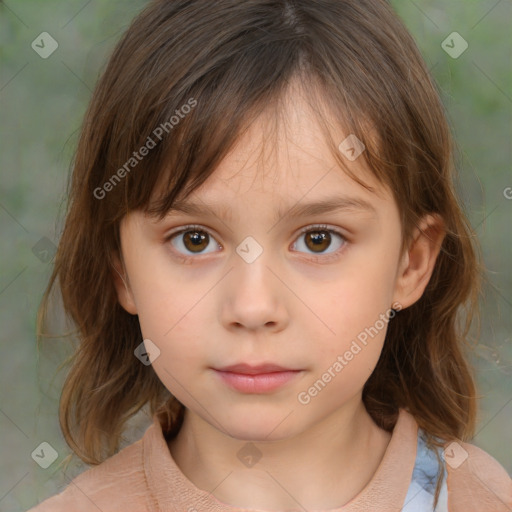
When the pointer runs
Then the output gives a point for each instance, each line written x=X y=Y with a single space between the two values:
x=229 y=61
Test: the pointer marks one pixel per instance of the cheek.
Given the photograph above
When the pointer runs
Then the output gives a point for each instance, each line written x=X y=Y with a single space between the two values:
x=175 y=323
x=345 y=360
x=358 y=298
x=357 y=309
x=172 y=313
x=163 y=295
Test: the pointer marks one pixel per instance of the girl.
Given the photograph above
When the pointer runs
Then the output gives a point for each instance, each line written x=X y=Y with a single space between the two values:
x=263 y=243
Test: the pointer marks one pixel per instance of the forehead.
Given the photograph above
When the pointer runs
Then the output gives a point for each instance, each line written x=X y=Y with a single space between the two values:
x=288 y=160
x=284 y=154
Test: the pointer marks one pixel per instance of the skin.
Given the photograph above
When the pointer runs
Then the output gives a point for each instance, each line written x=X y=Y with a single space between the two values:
x=292 y=306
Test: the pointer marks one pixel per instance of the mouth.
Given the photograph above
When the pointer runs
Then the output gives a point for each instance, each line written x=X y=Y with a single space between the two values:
x=261 y=378
x=247 y=369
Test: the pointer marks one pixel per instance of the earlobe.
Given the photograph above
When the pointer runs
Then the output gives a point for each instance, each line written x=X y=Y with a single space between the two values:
x=418 y=262
x=124 y=293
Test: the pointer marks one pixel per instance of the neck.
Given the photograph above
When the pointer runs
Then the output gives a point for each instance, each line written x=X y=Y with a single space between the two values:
x=320 y=468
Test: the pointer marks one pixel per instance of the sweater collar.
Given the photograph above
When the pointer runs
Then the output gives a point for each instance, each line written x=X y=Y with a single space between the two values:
x=172 y=490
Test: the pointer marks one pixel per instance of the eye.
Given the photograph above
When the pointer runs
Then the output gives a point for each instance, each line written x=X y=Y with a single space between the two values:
x=320 y=238
x=195 y=240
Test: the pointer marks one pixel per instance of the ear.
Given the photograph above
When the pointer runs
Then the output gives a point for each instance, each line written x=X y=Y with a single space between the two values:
x=124 y=292
x=418 y=260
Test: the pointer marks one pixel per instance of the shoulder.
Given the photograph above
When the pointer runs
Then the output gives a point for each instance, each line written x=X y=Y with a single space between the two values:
x=116 y=484
x=475 y=480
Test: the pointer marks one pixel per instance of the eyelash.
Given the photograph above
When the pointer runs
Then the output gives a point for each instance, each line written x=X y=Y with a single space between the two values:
x=319 y=227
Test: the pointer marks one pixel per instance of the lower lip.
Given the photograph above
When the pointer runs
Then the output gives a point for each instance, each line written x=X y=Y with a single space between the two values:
x=259 y=383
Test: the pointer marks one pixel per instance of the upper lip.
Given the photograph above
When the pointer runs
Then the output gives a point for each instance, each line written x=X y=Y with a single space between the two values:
x=254 y=369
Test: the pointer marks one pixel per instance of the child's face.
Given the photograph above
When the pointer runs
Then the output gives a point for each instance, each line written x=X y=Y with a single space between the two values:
x=321 y=308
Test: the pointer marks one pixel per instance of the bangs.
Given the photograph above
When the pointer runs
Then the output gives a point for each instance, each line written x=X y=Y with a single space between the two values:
x=186 y=116
x=178 y=178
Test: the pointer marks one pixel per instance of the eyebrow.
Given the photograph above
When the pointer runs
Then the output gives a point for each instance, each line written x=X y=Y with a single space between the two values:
x=327 y=205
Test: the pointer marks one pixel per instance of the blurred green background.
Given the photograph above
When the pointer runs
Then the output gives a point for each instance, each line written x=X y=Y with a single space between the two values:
x=42 y=102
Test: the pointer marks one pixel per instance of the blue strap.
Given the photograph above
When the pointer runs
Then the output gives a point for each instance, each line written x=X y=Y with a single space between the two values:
x=420 y=495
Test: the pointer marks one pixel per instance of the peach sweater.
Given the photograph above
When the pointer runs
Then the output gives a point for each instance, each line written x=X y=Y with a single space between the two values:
x=144 y=477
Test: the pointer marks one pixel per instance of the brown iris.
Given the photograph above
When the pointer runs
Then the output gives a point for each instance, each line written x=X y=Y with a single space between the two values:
x=318 y=241
x=195 y=240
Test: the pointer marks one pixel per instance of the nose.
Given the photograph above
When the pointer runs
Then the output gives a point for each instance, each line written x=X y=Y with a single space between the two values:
x=254 y=298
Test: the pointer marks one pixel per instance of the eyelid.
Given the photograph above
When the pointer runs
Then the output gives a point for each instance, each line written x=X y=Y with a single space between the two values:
x=321 y=227
x=305 y=229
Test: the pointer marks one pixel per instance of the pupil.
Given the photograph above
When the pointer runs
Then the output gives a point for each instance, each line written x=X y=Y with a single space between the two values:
x=197 y=238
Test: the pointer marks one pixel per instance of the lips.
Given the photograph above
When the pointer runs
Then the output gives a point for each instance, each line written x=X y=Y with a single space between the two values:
x=262 y=378
x=246 y=369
